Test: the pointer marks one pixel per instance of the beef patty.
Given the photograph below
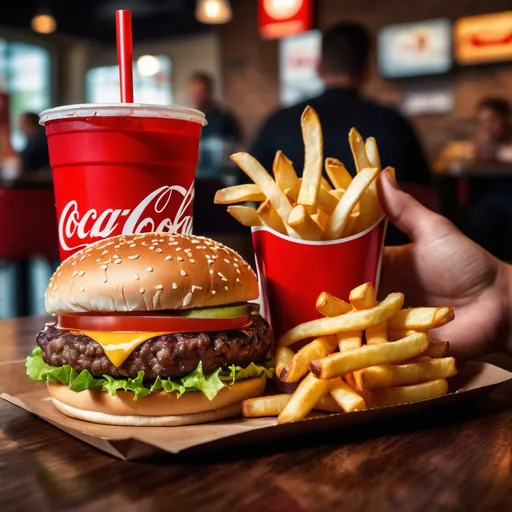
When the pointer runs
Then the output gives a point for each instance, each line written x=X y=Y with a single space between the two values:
x=169 y=355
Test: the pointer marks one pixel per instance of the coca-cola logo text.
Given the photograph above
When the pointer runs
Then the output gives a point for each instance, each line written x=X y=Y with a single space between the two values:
x=145 y=217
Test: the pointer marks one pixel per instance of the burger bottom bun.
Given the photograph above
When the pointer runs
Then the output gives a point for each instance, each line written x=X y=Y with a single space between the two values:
x=155 y=410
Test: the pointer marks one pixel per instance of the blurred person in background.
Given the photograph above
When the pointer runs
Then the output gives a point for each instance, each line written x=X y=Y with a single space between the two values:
x=34 y=157
x=493 y=139
x=344 y=68
x=489 y=216
x=219 y=139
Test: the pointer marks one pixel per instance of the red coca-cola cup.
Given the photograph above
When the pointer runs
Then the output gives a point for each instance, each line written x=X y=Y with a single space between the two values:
x=121 y=168
x=292 y=273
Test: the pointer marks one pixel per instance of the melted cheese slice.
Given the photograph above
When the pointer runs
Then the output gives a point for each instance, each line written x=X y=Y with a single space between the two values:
x=119 y=345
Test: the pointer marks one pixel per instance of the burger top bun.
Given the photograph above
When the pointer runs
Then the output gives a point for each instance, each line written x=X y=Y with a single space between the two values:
x=150 y=272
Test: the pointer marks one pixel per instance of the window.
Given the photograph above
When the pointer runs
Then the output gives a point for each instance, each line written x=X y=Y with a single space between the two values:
x=25 y=75
x=155 y=86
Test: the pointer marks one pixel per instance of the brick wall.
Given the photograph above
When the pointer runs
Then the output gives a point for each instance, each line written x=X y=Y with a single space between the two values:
x=250 y=65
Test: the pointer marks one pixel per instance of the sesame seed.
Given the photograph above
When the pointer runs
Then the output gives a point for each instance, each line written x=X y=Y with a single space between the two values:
x=174 y=286
x=222 y=276
x=142 y=290
x=226 y=260
x=152 y=248
x=82 y=258
x=235 y=265
x=158 y=250
x=145 y=244
x=75 y=273
x=187 y=299
x=74 y=263
x=178 y=249
x=173 y=243
x=132 y=245
x=109 y=243
x=180 y=258
x=81 y=289
x=116 y=246
x=210 y=262
x=119 y=260
x=135 y=275
x=159 y=287
x=104 y=252
x=211 y=271
x=149 y=269
x=104 y=267
x=81 y=273
x=168 y=258
x=154 y=241
x=133 y=256
x=194 y=288
x=226 y=288
x=213 y=292
x=238 y=271
x=98 y=260
x=194 y=241
x=161 y=240
x=237 y=280
x=192 y=260
x=183 y=273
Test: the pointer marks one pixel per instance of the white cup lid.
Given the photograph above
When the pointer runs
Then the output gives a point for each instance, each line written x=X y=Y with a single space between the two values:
x=124 y=110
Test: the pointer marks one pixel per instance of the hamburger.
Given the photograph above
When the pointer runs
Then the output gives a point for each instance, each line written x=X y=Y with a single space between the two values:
x=152 y=329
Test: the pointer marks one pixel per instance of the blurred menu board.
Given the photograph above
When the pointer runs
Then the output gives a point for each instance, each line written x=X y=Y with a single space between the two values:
x=298 y=61
x=413 y=49
x=484 y=38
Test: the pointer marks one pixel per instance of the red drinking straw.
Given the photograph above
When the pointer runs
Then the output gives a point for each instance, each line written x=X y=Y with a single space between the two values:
x=125 y=54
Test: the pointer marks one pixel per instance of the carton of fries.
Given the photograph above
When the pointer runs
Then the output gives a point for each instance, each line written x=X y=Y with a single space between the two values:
x=321 y=231
x=294 y=272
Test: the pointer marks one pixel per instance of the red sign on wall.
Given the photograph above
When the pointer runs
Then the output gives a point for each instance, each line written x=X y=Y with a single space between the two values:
x=283 y=18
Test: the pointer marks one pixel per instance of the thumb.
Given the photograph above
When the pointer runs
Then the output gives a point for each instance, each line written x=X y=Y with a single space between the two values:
x=402 y=209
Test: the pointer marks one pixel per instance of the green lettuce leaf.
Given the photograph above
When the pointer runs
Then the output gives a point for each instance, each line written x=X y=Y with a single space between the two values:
x=209 y=384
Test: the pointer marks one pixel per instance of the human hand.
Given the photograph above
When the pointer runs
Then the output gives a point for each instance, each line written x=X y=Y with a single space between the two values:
x=443 y=267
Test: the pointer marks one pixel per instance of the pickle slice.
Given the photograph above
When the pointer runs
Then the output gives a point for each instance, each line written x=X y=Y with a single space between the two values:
x=232 y=311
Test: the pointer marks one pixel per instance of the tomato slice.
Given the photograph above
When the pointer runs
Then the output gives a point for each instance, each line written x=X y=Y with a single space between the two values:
x=150 y=323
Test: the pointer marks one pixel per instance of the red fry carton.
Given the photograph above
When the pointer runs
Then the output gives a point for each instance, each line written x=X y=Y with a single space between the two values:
x=292 y=272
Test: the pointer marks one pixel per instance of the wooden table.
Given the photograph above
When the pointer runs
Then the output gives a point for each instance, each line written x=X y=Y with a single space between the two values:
x=461 y=461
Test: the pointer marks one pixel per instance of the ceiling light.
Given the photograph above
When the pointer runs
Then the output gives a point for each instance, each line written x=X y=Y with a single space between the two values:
x=148 y=65
x=43 y=23
x=213 y=11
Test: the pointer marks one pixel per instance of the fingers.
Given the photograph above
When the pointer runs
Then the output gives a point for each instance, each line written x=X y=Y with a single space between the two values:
x=403 y=210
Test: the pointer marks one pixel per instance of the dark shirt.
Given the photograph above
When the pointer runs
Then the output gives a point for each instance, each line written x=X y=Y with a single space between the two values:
x=340 y=110
x=35 y=155
x=222 y=124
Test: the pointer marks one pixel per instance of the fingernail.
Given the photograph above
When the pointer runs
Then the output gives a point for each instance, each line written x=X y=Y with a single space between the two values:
x=391 y=178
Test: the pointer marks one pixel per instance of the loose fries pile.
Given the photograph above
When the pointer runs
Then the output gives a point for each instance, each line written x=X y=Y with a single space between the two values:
x=313 y=207
x=362 y=355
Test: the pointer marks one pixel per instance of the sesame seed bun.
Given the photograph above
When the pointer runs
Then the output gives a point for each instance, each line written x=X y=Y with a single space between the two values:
x=150 y=272
x=158 y=409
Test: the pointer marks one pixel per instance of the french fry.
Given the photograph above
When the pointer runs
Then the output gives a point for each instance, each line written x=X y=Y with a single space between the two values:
x=351 y=226
x=358 y=149
x=245 y=215
x=267 y=185
x=349 y=379
x=363 y=297
x=377 y=334
x=437 y=349
x=421 y=319
x=274 y=404
x=303 y=401
x=341 y=363
x=349 y=340
x=384 y=376
x=338 y=174
x=325 y=184
x=318 y=220
x=239 y=194
x=372 y=152
x=337 y=194
x=398 y=335
x=303 y=225
x=341 y=213
x=326 y=199
x=352 y=321
x=345 y=396
x=329 y=305
x=269 y=216
x=283 y=356
x=284 y=173
x=407 y=394
x=299 y=365
x=418 y=359
x=313 y=160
